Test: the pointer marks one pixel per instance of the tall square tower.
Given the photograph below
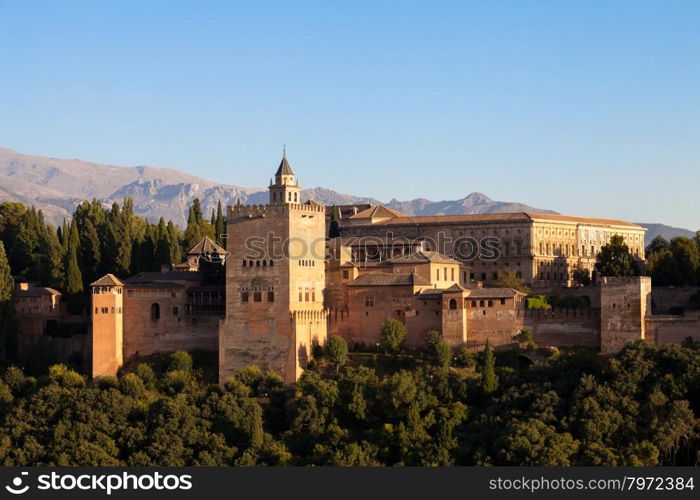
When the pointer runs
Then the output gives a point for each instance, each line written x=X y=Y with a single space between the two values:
x=275 y=278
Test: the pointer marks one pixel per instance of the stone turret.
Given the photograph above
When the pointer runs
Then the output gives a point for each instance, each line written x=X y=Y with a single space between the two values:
x=285 y=188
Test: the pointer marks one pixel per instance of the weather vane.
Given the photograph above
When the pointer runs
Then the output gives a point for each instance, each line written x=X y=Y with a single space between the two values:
x=284 y=150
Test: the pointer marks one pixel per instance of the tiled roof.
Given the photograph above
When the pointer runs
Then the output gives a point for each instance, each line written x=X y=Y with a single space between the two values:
x=422 y=256
x=108 y=280
x=455 y=288
x=502 y=217
x=583 y=220
x=284 y=168
x=37 y=291
x=160 y=285
x=388 y=279
x=206 y=246
x=484 y=293
x=377 y=212
x=151 y=277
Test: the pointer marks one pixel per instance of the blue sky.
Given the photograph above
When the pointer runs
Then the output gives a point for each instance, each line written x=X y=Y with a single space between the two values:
x=587 y=108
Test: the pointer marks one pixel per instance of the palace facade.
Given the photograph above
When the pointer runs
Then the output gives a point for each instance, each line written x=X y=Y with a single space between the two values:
x=288 y=287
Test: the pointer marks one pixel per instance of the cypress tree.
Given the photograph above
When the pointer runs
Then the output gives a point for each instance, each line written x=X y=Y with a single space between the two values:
x=194 y=231
x=489 y=381
x=219 y=227
x=334 y=227
x=90 y=252
x=73 y=280
x=51 y=262
x=174 y=236
x=197 y=211
x=163 y=253
x=8 y=325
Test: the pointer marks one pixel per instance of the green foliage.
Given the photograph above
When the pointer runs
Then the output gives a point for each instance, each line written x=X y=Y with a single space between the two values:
x=465 y=358
x=537 y=302
x=131 y=385
x=674 y=264
x=439 y=351
x=510 y=279
x=524 y=336
x=393 y=335
x=615 y=259
x=334 y=226
x=145 y=373
x=250 y=376
x=639 y=407
x=180 y=361
x=581 y=275
x=489 y=380
x=336 y=349
x=8 y=324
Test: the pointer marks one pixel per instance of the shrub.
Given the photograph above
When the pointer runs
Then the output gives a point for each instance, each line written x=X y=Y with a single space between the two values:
x=145 y=373
x=393 y=335
x=176 y=381
x=131 y=385
x=465 y=358
x=107 y=382
x=250 y=376
x=65 y=377
x=181 y=361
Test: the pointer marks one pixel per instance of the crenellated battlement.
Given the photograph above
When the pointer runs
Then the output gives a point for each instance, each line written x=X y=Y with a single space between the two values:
x=309 y=314
x=273 y=210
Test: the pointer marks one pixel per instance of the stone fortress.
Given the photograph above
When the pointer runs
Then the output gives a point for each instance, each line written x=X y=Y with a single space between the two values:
x=288 y=286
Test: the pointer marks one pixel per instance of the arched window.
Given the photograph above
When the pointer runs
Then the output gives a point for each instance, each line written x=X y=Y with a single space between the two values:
x=155 y=312
x=453 y=304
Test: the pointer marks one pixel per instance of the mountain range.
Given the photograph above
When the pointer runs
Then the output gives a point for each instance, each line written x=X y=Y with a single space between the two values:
x=56 y=186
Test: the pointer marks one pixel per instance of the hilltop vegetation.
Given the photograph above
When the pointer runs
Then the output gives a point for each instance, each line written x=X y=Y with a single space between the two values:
x=639 y=407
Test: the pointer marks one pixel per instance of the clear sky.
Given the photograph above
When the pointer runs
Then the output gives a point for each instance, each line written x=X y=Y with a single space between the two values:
x=584 y=107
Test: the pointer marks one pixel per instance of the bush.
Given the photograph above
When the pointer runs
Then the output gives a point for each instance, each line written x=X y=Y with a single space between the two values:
x=145 y=373
x=176 y=381
x=181 y=361
x=250 y=376
x=465 y=358
x=15 y=379
x=65 y=377
x=131 y=385
x=393 y=335
x=237 y=388
x=107 y=382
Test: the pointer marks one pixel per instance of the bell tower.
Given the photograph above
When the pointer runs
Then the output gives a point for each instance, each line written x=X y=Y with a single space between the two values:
x=285 y=188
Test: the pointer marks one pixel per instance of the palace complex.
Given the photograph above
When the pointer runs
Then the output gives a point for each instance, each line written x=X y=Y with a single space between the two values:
x=288 y=286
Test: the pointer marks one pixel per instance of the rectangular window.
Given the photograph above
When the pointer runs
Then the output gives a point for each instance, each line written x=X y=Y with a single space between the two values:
x=244 y=297
x=452 y=274
x=270 y=296
x=175 y=310
x=346 y=275
x=257 y=296
x=503 y=302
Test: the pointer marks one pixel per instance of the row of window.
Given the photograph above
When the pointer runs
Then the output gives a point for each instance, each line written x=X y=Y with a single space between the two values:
x=307 y=263
x=151 y=292
x=107 y=310
x=481 y=303
x=290 y=197
x=258 y=263
x=257 y=296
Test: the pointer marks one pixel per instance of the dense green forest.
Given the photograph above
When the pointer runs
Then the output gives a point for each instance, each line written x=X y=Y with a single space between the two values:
x=575 y=407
